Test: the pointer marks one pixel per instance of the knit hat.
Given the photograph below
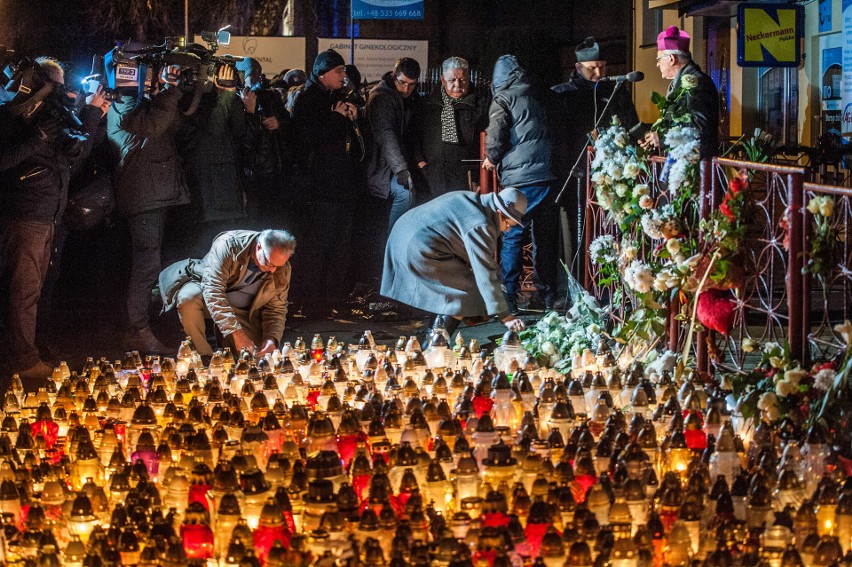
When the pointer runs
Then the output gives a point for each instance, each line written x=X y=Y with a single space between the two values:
x=295 y=77
x=673 y=39
x=589 y=50
x=326 y=61
x=511 y=203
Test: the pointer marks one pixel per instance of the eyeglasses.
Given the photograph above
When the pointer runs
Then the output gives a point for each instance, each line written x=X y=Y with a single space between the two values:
x=263 y=259
x=405 y=84
x=663 y=56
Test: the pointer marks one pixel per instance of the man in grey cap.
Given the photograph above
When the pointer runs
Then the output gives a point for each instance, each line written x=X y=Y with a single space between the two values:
x=440 y=256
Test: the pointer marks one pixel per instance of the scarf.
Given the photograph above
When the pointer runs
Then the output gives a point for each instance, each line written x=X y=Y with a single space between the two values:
x=449 y=128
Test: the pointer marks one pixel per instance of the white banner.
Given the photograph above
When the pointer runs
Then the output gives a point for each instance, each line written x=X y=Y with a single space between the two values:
x=273 y=53
x=375 y=57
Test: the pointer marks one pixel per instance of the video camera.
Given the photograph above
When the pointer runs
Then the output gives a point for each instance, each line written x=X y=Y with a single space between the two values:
x=26 y=89
x=196 y=65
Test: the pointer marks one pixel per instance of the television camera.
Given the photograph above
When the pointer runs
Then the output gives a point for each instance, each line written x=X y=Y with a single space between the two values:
x=26 y=89
x=190 y=66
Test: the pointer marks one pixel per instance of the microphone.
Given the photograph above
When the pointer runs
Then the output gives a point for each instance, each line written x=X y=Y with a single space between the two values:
x=632 y=77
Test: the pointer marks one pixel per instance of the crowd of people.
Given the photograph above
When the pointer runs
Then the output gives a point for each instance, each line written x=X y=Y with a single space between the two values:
x=338 y=167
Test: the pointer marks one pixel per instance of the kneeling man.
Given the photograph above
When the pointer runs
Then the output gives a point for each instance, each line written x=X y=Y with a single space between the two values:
x=242 y=284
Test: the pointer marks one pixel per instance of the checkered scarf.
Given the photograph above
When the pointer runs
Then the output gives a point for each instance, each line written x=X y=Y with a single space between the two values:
x=449 y=128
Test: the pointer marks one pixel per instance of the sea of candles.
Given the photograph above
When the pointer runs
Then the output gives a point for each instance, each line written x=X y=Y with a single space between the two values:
x=388 y=454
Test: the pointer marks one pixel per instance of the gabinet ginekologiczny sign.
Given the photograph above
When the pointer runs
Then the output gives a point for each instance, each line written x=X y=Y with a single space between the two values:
x=387 y=9
x=375 y=57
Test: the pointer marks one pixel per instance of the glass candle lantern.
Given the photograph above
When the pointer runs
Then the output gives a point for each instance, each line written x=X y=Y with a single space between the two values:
x=82 y=519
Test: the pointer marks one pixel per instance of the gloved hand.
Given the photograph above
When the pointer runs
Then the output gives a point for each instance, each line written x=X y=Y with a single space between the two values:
x=404 y=179
x=49 y=129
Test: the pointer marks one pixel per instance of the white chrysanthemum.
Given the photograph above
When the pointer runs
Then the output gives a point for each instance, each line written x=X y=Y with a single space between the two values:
x=651 y=226
x=673 y=246
x=824 y=379
x=639 y=277
x=603 y=249
x=795 y=375
x=628 y=253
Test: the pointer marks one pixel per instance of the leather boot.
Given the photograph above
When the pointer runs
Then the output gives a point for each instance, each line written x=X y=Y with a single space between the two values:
x=449 y=324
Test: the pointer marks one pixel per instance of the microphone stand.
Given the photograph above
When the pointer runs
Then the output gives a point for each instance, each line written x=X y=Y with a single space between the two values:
x=573 y=171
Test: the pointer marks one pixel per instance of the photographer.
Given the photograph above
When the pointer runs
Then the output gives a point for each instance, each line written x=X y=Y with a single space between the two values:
x=210 y=140
x=267 y=156
x=148 y=182
x=38 y=149
x=331 y=178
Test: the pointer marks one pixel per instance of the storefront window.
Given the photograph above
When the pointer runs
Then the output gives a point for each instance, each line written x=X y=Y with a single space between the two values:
x=778 y=103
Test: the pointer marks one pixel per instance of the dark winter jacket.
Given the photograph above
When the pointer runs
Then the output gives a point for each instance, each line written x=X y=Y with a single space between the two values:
x=210 y=141
x=268 y=152
x=518 y=137
x=322 y=136
x=389 y=115
x=580 y=102
x=34 y=174
x=445 y=171
x=140 y=132
x=701 y=102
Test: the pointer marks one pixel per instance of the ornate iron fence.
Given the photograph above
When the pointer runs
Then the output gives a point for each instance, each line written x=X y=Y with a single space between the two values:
x=828 y=299
x=776 y=300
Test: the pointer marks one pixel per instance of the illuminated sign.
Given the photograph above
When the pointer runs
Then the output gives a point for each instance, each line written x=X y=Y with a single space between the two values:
x=769 y=35
x=387 y=9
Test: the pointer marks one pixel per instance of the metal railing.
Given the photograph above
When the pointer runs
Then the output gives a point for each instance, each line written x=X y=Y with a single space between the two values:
x=775 y=300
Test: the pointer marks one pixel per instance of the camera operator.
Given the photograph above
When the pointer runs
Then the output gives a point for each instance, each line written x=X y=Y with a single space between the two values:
x=148 y=182
x=268 y=154
x=210 y=140
x=38 y=149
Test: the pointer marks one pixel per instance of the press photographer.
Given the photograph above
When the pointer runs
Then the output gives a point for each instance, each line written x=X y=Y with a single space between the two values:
x=148 y=179
x=41 y=140
x=268 y=153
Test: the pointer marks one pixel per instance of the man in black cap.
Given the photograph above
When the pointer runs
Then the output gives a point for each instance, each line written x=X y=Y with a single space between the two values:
x=583 y=102
x=331 y=179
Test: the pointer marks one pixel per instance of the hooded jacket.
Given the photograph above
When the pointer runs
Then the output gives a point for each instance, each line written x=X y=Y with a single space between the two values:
x=518 y=136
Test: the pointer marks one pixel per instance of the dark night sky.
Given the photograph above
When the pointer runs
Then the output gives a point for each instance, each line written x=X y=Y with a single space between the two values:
x=542 y=32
